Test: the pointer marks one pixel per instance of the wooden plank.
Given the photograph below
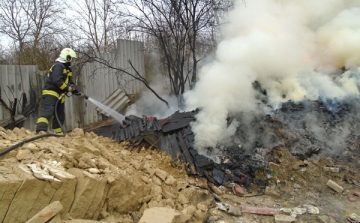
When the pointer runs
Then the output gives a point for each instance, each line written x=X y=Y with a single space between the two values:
x=187 y=155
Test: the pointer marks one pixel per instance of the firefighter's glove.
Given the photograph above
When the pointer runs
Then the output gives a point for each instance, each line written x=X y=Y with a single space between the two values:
x=71 y=87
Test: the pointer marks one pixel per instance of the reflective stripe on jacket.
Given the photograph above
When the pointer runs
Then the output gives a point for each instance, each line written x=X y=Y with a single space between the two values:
x=58 y=78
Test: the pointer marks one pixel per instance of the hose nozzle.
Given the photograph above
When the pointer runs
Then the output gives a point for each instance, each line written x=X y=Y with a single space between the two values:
x=82 y=94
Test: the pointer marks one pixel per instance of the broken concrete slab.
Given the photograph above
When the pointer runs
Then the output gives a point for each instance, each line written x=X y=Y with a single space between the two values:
x=124 y=201
x=65 y=193
x=47 y=213
x=29 y=190
x=57 y=173
x=159 y=215
x=9 y=184
x=41 y=173
x=51 y=191
x=89 y=194
x=24 y=154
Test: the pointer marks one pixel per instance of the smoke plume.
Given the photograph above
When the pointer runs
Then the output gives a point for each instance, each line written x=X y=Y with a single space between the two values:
x=293 y=49
x=149 y=105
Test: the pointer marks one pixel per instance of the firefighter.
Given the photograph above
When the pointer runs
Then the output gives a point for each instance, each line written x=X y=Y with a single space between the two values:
x=57 y=82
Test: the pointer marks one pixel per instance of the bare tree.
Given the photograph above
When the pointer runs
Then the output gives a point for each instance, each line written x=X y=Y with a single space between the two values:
x=195 y=15
x=46 y=18
x=14 y=22
x=32 y=25
x=159 y=19
x=98 y=23
x=178 y=26
x=48 y=21
x=5 y=57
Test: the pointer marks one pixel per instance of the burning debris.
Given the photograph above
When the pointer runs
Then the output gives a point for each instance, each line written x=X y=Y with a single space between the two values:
x=308 y=128
x=322 y=127
x=174 y=136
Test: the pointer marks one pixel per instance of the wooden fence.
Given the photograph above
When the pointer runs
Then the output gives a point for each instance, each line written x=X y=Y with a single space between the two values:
x=23 y=84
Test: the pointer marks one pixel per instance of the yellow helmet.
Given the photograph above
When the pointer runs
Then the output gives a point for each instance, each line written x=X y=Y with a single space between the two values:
x=67 y=54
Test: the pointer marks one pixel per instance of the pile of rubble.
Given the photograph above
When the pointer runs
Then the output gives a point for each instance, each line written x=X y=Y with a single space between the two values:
x=84 y=176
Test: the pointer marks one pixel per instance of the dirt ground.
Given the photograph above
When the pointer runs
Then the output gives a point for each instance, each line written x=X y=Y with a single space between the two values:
x=129 y=183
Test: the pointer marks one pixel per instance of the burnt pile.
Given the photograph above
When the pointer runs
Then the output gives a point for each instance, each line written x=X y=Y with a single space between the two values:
x=327 y=127
x=309 y=129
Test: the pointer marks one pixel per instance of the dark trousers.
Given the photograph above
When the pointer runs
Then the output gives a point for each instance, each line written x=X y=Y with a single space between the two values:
x=48 y=111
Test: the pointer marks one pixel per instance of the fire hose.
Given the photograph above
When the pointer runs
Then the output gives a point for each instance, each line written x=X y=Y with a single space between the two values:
x=47 y=134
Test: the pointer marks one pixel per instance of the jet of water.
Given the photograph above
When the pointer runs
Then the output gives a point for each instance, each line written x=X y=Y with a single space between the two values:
x=117 y=116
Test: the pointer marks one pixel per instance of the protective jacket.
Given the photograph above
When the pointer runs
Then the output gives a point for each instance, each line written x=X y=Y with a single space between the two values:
x=58 y=79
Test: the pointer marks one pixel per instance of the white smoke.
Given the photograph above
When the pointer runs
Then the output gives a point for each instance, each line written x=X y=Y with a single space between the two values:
x=150 y=105
x=292 y=48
